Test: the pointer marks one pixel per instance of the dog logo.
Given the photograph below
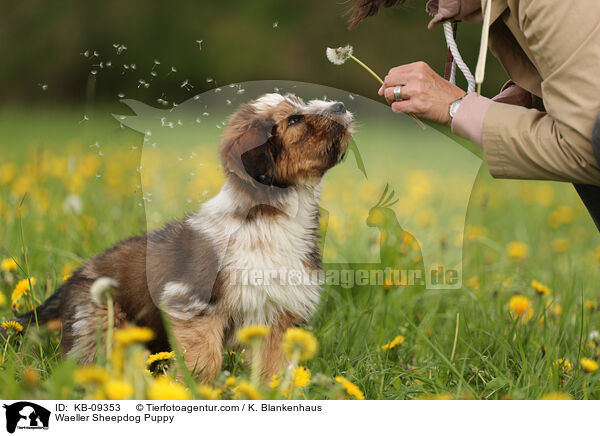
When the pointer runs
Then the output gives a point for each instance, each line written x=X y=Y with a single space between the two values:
x=26 y=415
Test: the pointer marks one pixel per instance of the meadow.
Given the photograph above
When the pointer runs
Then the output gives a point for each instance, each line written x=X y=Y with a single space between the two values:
x=522 y=324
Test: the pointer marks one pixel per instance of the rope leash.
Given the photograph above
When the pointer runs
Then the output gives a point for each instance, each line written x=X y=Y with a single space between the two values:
x=457 y=59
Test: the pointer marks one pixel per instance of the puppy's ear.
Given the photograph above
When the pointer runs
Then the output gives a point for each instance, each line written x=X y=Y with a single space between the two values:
x=247 y=149
x=259 y=162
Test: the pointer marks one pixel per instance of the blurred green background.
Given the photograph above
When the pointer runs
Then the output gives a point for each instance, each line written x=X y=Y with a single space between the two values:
x=44 y=46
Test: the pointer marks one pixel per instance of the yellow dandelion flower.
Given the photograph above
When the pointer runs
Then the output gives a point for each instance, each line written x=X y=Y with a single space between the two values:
x=230 y=381
x=520 y=307
x=22 y=288
x=12 y=326
x=441 y=397
x=31 y=376
x=67 y=271
x=133 y=334
x=207 y=392
x=164 y=388
x=588 y=365
x=301 y=377
x=556 y=396
x=91 y=374
x=251 y=333
x=2 y=299
x=157 y=357
x=297 y=340
x=350 y=388
x=556 y=309
x=562 y=215
x=388 y=283
x=393 y=343
x=247 y=390
x=473 y=282
x=562 y=364
x=590 y=305
x=118 y=390
x=540 y=289
x=8 y=265
x=275 y=381
x=560 y=245
x=517 y=250
x=474 y=233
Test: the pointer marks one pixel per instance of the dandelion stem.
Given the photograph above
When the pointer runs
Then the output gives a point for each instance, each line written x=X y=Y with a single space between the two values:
x=374 y=74
x=33 y=308
x=362 y=64
x=110 y=308
x=256 y=361
x=290 y=371
x=455 y=337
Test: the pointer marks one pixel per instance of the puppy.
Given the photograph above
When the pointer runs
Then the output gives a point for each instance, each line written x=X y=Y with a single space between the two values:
x=249 y=256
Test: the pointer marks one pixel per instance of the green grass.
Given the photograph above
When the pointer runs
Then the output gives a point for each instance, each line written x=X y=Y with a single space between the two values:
x=495 y=355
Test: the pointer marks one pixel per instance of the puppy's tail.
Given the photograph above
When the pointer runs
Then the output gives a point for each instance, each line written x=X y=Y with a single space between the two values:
x=45 y=313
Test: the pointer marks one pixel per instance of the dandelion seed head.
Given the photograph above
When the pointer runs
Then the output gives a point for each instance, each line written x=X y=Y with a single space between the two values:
x=101 y=288
x=339 y=55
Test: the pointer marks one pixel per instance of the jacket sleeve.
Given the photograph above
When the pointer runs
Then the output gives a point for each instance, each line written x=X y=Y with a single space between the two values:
x=556 y=145
x=521 y=143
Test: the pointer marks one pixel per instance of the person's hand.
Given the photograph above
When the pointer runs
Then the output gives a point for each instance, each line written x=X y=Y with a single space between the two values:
x=424 y=93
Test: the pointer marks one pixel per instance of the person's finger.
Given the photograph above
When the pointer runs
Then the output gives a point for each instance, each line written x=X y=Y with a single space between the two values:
x=403 y=107
x=380 y=92
x=406 y=92
x=397 y=75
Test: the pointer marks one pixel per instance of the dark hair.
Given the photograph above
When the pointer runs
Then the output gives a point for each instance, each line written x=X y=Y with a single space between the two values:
x=362 y=9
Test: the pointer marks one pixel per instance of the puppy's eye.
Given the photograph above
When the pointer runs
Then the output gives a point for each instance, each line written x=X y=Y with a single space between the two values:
x=294 y=119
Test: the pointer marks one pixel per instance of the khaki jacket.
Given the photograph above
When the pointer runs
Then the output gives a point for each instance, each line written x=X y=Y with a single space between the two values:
x=550 y=48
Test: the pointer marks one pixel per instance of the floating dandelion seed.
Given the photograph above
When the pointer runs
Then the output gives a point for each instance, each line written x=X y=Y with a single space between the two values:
x=198 y=120
x=93 y=72
x=187 y=85
x=205 y=114
x=108 y=64
x=340 y=55
x=85 y=54
x=133 y=66
x=156 y=63
x=209 y=79
x=228 y=101
x=218 y=89
x=275 y=24
x=173 y=70
x=121 y=95
x=85 y=118
x=43 y=86
x=95 y=54
x=199 y=42
x=119 y=48
x=153 y=73
x=241 y=91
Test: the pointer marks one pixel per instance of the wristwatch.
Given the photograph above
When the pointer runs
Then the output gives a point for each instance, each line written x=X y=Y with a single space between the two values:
x=455 y=105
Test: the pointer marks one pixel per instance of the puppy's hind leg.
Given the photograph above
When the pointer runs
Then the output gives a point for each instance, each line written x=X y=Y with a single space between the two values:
x=200 y=340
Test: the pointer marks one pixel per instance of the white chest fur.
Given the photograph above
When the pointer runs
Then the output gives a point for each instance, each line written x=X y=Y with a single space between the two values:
x=265 y=259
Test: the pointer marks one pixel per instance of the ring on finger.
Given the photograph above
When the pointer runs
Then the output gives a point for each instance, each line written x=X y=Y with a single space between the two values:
x=398 y=93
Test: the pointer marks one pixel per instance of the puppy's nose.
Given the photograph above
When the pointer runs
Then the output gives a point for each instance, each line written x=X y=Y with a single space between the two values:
x=338 y=108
